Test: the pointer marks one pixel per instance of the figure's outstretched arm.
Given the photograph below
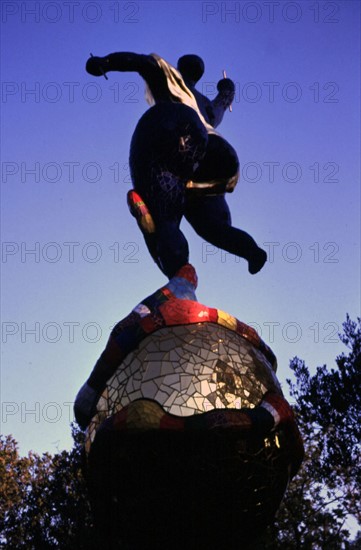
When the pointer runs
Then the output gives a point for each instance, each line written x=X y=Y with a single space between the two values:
x=223 y=100
x=145 y=65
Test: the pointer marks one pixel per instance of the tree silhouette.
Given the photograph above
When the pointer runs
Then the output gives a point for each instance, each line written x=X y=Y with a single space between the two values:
x=43 y=499
x=326 y=491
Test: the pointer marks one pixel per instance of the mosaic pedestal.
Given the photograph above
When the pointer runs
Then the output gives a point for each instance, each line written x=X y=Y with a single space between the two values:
x=160 y=476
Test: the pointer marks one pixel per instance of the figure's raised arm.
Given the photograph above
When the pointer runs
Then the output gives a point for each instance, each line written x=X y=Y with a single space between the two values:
x=222 y=101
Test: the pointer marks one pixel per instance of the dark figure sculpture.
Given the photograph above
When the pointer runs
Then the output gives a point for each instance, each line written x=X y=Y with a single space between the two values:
x=179 y=165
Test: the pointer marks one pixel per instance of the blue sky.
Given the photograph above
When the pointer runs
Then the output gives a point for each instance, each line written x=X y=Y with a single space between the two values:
x=73 y=260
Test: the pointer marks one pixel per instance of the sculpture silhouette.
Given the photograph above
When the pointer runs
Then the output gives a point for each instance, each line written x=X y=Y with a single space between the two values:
x=189 y=440
x=179 y=165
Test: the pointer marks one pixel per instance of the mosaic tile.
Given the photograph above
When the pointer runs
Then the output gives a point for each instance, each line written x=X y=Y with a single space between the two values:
x=182 y=398
x=149 y=389
x=152 y=370
x=161 y=396
x=171 y=379
x=190 y=368
x=185 y=381
x=168 y=403
x=177 y=410
x=129 y=386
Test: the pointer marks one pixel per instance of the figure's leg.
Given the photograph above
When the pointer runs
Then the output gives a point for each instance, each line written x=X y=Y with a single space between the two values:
x=211 y=219
x=169 y=247
x=159 y=216
x=209 y=214
x=164 y=195
x=140 y=212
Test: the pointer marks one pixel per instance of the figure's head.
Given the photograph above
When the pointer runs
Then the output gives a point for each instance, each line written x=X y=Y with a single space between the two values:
x=191 y=67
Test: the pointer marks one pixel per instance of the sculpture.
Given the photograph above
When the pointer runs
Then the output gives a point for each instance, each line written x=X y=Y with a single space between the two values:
x=180 y=166
x=189 y=440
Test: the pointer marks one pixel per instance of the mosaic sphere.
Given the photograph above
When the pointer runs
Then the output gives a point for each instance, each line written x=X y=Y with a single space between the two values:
x=191 y=369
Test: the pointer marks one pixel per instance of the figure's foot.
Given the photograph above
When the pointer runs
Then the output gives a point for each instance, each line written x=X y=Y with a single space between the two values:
x=188 y=272
x=85 y=405
x=183 y=283
x=257 y=261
